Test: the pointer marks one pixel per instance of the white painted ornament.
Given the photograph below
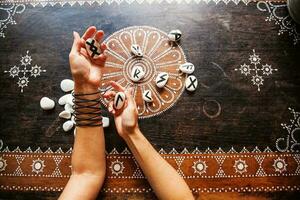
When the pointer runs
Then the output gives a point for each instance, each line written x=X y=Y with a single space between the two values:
x=119 y=100
x=191 y=83
x=175 y=35
x=93 y=48
x=69 y=108
x=105 y=122
x=187 y=68
x=65 y=114
x=67 y=85
x=147 y=96
x=136 y=50
x=162 y=79
x=46 y=103
x=137 y=73
x=68 y=125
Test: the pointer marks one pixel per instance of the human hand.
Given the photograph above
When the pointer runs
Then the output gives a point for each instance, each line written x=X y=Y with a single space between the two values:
x=85 y=70
x=126 y=118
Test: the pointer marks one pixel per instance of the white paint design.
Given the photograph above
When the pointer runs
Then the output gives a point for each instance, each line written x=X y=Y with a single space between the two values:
x=240 y=166
x=158 y=56
x=290 y=143
x=38 y=166
x=256 y=70
x=117 y=167
x=3 y=164
x=297 y=159
x=179 y=160
x=100 y=2
x=126 y=151
x=57 y=159
x=200 y=167
x=220 y=160
x=137 y=172
x=18 y=171
x=206 y=106
x=280 y=15
x=8 y=17
x=279 y=165
x=24 y=71
x=260 y=159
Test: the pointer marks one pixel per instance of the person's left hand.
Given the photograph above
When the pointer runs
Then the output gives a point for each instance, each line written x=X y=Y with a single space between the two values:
x=86 y=71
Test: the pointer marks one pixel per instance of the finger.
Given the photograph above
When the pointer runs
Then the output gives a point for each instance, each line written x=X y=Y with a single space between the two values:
x=76 y=43
x=82 y=43
x=111 y=107
x=99 y=35
x=103 y=47
x=117 y=86
x=84 y=52
x=109 y=94
x=129 y=95
x=101 y=59
x=89 y=32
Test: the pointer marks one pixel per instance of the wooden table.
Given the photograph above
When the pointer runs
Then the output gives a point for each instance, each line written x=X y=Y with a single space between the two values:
x=236 y=126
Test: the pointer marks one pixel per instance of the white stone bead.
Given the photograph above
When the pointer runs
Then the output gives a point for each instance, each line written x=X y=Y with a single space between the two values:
x=147 y=96
x=105 y=122
x=69 y=108
x=69 y=100
x=136 y=50
x=65 y=114
x=46 y=103
x=63 y=100
x=137 y=73
x=67 y=85
x=175 y=35
x=162 y=79
x=119 y=100
x=191 y=83
x=73 y=119
x=93 y=48
x=187 y=68
x=68 y=125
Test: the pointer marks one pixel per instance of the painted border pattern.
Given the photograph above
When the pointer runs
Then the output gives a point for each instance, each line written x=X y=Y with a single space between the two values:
x=247 y=170
x=44 y=3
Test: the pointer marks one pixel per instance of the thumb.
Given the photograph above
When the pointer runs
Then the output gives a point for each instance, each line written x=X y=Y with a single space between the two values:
x=76 y=43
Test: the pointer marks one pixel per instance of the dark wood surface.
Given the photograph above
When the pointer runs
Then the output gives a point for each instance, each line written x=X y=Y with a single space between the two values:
x=222 y=35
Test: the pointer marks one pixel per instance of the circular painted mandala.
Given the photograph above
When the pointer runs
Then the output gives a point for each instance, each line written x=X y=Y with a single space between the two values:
x=159 y=55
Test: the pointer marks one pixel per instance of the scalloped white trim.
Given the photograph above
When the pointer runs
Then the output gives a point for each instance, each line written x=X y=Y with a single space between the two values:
x=44 y=3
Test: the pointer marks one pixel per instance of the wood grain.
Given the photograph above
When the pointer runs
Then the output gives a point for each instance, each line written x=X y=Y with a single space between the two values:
x=217 y=39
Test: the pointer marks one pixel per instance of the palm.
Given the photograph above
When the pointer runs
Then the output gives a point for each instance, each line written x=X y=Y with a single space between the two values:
x=126 y=121
x=86 y=70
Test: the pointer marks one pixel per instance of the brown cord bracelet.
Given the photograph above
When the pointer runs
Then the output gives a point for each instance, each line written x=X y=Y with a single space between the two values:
x=87 y=110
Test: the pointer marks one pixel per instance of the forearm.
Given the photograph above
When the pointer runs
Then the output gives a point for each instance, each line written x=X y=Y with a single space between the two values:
x=161 y=175
x=89 y=151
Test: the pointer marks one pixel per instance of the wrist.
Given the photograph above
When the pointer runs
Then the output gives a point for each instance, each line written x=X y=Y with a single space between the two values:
x=132 y=134
x=86 y=89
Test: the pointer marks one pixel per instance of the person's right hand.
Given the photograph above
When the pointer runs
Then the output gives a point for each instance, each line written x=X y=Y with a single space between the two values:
x=126 y=118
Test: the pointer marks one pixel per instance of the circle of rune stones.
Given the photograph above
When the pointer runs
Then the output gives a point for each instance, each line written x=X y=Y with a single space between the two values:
x=149 y=61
